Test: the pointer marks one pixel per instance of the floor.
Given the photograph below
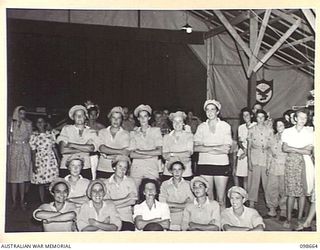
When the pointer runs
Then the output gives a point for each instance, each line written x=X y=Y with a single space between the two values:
x=22 y=221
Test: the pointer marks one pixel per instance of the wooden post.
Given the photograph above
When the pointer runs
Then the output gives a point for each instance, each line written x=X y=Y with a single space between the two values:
x=252 y=90
x=210 y=77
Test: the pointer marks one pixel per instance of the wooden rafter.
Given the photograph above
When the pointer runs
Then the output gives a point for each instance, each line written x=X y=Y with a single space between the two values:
x=233 y=32
x=297 y=42
x=291 y=19
x=310 y=17
x=277 y=45
x=234 y=21
x=253 y=58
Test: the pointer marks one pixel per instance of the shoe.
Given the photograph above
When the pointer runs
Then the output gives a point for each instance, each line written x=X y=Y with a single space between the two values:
x=282 y=218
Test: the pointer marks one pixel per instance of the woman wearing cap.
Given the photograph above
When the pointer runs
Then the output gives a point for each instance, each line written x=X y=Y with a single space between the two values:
x=178 y=145
x=275 y=195
x=176 y=193
x=112 y=141
x=151 y=210
x=93 y=114
x=239 y=217
x=78 y=184
x=145 y=146
x=242 y=160
x=77 y=138
x=203 y=214
x=259 y=137
x=44 y=156
x=213 y=141
x=59 y=215
x=299 y=168
x=98 y=214
x=19 y=163
x=122 y=190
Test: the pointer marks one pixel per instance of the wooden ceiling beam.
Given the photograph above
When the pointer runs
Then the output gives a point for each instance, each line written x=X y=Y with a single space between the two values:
x=310 y=18
x=234 y=21
x=297 y=42
x=291 y=19
x=233 y=32
x=277 y=45
x=257 y=44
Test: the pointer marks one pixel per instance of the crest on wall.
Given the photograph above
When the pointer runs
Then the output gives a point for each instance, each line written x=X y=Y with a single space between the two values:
x=264 y=91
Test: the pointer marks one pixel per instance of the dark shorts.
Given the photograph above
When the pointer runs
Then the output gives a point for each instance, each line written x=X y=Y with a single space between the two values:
x=213 y=170
x=102 y=174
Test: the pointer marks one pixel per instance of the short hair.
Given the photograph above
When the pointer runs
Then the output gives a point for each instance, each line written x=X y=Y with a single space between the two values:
x=153 y=226
x=245 y=109
x=75 y=159
x=114 y=164
x=94 y=182
x=174 y=163
x=302 y=110
x=281 y=119
x=56 y=184
x=143 y=184
x=261 y=111
x=94 y=108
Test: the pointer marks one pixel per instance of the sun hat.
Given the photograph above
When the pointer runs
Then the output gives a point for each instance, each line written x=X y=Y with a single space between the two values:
x=178 y=113
x=214 y=102
x=75 y=108
x=116 y=109
x=142 y=107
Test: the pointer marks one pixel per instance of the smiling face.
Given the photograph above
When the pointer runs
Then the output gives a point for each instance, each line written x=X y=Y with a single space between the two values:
x=121 y=169
x=150 y=191
x=60 y=192
x=79 y=117
x=177 y=171
x=302 y=119
x=116 y=120
x=212 y=111
x=178 y=123
x=143 y=117
x=75 y=167
x=246 y=116
x=236 y=200
x=97 y=193
x=40 y=124
x=199 y=189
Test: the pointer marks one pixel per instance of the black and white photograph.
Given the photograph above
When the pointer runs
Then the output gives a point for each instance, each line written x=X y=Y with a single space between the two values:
x=135 y=120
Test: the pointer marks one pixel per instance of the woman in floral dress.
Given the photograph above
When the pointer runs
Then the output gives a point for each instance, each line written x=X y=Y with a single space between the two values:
x=44 y=156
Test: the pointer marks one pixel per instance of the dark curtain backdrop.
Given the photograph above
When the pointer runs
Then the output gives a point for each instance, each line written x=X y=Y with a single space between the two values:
x=58 y=71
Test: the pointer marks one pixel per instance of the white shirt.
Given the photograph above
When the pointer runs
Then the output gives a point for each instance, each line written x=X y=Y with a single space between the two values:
x=221 y=136
x=297 y=139
x=158 y=210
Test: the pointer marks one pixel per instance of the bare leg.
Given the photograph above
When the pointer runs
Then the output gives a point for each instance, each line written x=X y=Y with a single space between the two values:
x=311 y=215
x=221 y=185
x=290 y=202
x=245 y=183
x=209 y=178
x=41 y=192
x=302 y=201
x=236 y=181
x=22 y=192
x=14 y=189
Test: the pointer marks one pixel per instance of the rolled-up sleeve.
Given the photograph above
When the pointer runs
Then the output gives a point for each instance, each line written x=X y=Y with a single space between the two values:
x=198 y=137
x=256 y=219
x=64 y=136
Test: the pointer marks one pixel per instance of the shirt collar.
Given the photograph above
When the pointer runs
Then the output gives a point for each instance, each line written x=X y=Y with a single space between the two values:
x=171 y=181
x=207 y=121
x=54 y=208
x=91 y=204
x=109 y=128
x=85 y=127
x=195 y=202
x=112 y=179
x=154 y=205
x=69 y=175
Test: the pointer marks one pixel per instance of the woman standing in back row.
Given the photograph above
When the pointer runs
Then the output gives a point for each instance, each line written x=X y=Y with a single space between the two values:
x=213 y=141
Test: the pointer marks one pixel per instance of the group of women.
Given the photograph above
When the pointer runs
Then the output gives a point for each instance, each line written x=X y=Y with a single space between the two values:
x=119 y=161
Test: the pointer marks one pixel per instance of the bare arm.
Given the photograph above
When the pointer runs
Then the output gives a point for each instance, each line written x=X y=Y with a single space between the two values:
x=257 y=228
x=307 y=150
x=78 y=200
x=112 y=151
x=65 y=149
x=151 y=152
x=216 y=150
x=202 y=227
x=227 y=227
x=141 y=223
x=82 y=147
x=136 y=155
x=49 y=216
